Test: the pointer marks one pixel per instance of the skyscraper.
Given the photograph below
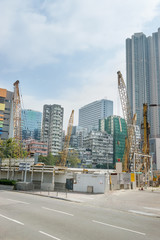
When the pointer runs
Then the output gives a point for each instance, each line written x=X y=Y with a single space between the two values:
x=52 y=127
x=143 y=77
x=31 y=124
x=6 y=114
x=90 y=114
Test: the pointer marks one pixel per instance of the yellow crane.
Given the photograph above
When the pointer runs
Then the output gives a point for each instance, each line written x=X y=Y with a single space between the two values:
x=130 y=142
x=16 y=112
x=146 y=129
x=64 y=153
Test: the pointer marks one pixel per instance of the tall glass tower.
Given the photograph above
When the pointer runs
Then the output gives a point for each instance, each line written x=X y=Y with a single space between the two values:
x=31 y=124
x=90 y=114
x=143 y=77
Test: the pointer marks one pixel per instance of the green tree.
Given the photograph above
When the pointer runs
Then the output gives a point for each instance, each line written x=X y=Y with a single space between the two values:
x=72 y=158
x=49 y=160
x=11 y=149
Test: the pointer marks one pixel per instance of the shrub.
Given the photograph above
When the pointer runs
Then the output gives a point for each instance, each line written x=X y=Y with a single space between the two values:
x=7 y=182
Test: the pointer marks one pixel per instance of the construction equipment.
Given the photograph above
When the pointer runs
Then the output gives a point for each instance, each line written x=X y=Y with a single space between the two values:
x=16 y=113
x=146 y=127
x=64 y=153
x=130 y=143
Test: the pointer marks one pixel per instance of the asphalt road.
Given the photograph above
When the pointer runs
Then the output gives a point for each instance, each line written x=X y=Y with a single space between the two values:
x=27 y=217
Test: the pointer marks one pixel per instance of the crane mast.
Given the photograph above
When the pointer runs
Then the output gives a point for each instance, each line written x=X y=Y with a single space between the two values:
x=130 y=140
x=16 y=112
x=67 y=140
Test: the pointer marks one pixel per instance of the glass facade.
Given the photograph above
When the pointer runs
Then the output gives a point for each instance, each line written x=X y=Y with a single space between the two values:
x=116 y=126
x=90 y=114
x=31 y=124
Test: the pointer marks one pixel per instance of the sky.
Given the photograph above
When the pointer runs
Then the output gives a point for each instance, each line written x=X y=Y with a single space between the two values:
x=68 y=52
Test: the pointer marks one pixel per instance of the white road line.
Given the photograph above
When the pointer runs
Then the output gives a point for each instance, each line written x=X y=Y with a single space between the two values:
x=144 y=213
x=49 y=235
x=149 y=208
x=58 y=211
x=17 y=201
x=125 y=229
x=13 y=220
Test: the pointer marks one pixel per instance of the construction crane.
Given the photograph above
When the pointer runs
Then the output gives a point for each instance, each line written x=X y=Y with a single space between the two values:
x=146 y=129
x=130 y=141
x=64 y=153
x=16 y=113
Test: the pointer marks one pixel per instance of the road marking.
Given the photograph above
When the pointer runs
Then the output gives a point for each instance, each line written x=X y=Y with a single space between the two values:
x=144 y=213
x=17 y=201
x=125 y=229
x=156 y=209
x=13 y=220
x=58 y=211
x=49 y=235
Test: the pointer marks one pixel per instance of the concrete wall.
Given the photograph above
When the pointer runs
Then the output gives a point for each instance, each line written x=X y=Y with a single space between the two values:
x=61 y=177
x=122 y=181
x=60 y=180
x=45 y=182
x=86 y=182
x=15 y=162
x=114 y=182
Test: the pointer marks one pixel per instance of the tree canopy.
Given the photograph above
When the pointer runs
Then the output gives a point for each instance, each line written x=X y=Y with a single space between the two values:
x=11 y=149
x=49 y=160
x=72 y=159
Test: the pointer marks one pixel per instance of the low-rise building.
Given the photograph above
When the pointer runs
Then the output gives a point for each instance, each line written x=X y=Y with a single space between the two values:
x=35 y=147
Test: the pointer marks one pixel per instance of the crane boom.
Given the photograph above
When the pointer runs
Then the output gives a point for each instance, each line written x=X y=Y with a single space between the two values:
x=124 y=99
x=130 y=140
x=16 y=112
x=67 y=140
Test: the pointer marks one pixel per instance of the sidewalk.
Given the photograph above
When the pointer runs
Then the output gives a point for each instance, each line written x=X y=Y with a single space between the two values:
x=68 y=196
x=120 y=199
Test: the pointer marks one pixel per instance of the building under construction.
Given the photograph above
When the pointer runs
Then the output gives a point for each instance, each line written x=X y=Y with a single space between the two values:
x=116 y=126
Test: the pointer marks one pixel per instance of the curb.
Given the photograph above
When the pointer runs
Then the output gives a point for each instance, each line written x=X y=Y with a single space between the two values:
x=41 y=195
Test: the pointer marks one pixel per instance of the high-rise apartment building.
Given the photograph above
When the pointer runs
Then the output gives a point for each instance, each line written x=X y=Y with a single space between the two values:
x=52 y=127
x=6 y=114
x=90 y=114
x=77 y=136
x=100 y=146
x=143 y=77
x=31 y=124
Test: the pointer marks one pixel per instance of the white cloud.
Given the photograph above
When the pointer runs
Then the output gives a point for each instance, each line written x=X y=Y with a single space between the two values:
x=33 y=36
x=99 y=84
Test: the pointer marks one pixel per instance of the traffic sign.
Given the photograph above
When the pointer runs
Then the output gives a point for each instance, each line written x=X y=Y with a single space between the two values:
x=24 y=166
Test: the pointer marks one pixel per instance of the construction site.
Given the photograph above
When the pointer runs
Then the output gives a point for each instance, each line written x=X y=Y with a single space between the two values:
x=132 y=164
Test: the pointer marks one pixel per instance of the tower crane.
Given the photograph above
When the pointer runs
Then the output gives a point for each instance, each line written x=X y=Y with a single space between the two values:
x=16 y=112
x=130 y=142
x=64 y=152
